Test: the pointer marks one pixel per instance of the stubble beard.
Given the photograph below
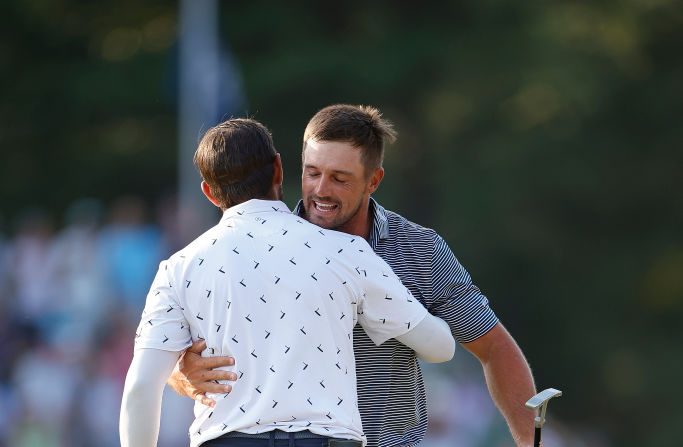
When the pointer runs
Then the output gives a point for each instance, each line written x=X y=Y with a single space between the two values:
x=336 y=223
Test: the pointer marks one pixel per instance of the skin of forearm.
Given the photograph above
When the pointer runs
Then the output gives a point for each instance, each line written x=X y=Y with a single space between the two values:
x=511 y=384
x=509 y=380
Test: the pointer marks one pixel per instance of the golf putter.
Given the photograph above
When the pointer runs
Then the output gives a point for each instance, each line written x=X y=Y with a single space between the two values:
x=539 y=403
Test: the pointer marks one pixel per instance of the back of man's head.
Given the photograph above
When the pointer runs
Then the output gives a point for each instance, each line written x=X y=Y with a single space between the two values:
x=236 y=159
x=361 y=126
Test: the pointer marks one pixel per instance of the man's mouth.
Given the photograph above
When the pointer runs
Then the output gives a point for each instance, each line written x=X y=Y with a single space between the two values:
x=324 y=207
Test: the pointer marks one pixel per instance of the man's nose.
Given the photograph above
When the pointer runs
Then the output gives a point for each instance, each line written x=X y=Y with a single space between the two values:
x=322 y=188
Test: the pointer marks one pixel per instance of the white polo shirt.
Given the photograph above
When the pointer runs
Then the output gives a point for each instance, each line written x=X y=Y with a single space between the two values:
x=281 y=296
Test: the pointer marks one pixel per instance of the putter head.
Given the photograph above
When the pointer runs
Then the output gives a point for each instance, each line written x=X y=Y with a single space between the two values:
x=540 y=402
x=542 y=397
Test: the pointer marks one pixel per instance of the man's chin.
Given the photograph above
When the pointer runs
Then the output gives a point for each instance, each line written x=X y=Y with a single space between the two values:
x=321 y=221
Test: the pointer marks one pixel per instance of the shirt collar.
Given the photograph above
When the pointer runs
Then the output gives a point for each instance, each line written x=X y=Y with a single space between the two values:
x=256 y=206
x=380 y=221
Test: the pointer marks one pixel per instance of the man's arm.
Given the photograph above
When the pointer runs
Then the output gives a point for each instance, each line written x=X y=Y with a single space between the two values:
x=141 y=404
x=431 y=340
x=509 y=380
x=387 y=309
x=194 y=375
x=474 y=324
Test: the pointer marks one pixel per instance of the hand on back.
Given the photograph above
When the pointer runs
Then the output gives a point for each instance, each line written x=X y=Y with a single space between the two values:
x=195 y=376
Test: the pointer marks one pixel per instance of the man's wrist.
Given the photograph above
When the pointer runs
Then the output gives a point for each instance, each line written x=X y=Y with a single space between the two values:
x=177 y=382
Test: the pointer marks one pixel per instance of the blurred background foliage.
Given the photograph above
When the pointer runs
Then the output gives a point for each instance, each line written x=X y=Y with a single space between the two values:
x=541 y=139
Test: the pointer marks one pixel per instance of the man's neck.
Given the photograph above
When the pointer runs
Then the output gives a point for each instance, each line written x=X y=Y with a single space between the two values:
x=267 y=199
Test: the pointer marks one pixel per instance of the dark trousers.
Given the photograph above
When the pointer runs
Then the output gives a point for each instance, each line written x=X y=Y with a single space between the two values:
x=239 y=440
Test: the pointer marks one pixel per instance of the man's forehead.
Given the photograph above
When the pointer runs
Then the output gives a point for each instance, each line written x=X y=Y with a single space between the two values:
x=346 y=144
x=336 y=149
x=333 y=156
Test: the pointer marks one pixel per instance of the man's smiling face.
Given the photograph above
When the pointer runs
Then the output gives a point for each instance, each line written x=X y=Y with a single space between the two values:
x=334 y=186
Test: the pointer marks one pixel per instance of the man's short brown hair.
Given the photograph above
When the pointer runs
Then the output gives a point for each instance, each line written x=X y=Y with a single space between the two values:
x=235 y=158
x=362 y=126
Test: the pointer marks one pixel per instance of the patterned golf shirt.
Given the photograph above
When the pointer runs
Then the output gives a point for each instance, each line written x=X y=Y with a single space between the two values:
x=281 y=296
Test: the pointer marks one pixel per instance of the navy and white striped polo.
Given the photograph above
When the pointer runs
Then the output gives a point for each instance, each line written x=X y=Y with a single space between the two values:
x=391 y=393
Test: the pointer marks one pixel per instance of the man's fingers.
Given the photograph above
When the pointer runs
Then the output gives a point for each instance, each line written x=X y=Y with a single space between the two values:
x=216 y=374
x=213 y=362
x=212 y=387
x=193 y=361
x=197 y=346
x=201 y=398
x=208 y=401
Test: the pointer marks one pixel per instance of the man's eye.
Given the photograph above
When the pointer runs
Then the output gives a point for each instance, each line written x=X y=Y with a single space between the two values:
x=313 y=174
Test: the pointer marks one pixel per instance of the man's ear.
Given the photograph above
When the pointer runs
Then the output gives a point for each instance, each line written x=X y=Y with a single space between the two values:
x=207 y=192
x=278 y=174
x=375 y=179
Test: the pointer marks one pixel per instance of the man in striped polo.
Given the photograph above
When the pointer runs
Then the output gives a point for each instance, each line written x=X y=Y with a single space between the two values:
x=342 y=155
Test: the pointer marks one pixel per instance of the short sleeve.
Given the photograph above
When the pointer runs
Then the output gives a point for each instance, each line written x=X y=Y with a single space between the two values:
x=163 y=325
x=387 y=308
x=456 y=300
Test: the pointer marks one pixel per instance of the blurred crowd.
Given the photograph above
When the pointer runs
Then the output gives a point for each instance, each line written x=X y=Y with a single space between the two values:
x=70 y=300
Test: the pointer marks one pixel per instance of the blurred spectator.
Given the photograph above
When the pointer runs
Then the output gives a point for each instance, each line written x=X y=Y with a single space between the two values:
x=131 y=250
x=102 y=383
x=32 y=269
x=45 y=381
x=69 y=303
x=79 y=272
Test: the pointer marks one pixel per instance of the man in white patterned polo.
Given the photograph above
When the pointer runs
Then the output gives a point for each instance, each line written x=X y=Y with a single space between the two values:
x=343 y=147
x=280 y=294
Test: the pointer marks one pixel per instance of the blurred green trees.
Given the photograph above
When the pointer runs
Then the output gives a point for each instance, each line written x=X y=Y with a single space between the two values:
x=541 y=139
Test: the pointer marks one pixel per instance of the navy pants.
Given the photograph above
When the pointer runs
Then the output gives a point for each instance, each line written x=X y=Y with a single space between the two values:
x=236 y=441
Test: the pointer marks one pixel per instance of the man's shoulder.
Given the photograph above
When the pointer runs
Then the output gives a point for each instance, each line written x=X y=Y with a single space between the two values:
x=399 y=225
x=199 y=246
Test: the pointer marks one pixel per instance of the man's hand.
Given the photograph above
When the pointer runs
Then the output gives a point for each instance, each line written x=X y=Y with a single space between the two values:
x=194 y=375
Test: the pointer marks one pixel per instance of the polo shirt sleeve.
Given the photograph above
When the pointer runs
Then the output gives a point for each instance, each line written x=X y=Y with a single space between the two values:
x=386 y=309
x=456 y=299
x=163 y=325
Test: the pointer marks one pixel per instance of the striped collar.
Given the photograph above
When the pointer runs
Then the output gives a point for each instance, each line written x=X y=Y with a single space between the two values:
x=380 y=221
